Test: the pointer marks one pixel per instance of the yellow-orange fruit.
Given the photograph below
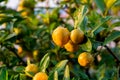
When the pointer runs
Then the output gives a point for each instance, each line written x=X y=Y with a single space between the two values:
x=40 y=76
x=85 y=59
x=31 y=68
x=71 y=47
x=76 y=36
x=17 y=30
x=25 y=12
x=61 y=36
x=20 y=50
x=86 y=1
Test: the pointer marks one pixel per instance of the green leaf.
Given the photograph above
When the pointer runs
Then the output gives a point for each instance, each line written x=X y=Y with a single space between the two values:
x=115 y=24
x=23 y=77
x=2 y=37
x=44 y=62
x=79 y=15
x=84 y=24
x=87 y=46
x=3 y=74
x=101 y=72
x=55 y=75
x=101 y=23
x=10 y=36
x=60 y=65
x=19 y=68
x=114 y=35
x=100 y=4
x=99 y=30
x=66 y=73
x=16 y=77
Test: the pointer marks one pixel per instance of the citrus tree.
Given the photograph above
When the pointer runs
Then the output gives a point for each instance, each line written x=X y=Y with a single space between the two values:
x=76 y=40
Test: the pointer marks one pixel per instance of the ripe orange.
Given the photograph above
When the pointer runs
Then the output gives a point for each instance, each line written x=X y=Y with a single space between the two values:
x=20 y=50
x=40 y=76
x=61 y=36
x=71 y=47
x=31 y=68
x=76 y=36
x=85 y=59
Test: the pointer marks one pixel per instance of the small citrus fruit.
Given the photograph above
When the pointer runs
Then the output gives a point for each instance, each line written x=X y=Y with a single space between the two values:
x=31 y=68
x=20 y=50
x=76 y=36
x=71 y=47
x=40 y=76
x=60 y=36
x=85 y=59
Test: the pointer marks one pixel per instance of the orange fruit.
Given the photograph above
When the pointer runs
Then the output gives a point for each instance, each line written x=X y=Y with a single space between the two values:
x=85 y=59
x=31 y=68
x=20 y=50
x=40 y=76
x=25 y=11
x=76 y=36
x=71 y=47
x=61 y=36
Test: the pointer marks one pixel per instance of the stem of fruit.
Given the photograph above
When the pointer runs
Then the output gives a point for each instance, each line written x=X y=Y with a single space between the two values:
x=117 y=60
x=28 y=61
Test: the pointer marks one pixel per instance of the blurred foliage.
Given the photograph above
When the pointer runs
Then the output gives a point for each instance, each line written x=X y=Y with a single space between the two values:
x=30 y=29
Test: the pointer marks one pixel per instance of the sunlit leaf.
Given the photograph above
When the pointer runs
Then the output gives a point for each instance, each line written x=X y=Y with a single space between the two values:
x=44 y=62
x=55 y=75
x=10 y=36
x=114 y=35
x=60 y=65
x=101 y=23
x=66 y=73
x=87 y=46
x=19 y=68
x=81 y=12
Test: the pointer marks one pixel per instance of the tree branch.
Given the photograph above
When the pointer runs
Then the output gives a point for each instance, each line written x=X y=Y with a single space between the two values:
x=117 y=60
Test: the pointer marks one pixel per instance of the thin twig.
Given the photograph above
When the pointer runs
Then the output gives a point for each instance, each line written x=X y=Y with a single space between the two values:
x=117 y=60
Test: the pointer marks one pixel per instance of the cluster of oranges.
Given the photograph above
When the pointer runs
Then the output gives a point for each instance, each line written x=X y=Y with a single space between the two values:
x=70 y=41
